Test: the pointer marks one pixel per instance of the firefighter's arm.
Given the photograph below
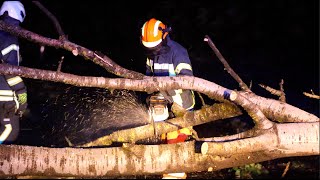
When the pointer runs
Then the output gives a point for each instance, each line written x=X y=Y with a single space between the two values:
x=10 y=54
x=182 y=64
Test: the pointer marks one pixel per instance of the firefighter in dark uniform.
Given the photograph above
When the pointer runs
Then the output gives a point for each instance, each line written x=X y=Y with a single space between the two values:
x=13 y=93
x=166 y=57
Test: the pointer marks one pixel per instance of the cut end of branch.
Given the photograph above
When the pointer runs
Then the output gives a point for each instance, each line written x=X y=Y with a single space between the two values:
x=233 y=96
x=201 y=147
x=204 y=148
x=75 y=52
x=230 y=95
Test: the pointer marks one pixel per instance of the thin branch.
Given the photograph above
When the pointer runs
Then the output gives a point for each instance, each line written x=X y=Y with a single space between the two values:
x=280 y=93
x=201 y=98
x=242 y=85
x=68 y=141
x=60 y=64
x=285 y=170
x=56 y=23
x=241 y=135
x=282 y=97
x=271 y=90
x=311 y=95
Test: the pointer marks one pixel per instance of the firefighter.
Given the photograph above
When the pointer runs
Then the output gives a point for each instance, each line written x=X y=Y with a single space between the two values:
x=166 y=57
x=13 y=93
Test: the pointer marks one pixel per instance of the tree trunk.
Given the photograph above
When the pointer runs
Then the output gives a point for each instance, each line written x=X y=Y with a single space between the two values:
x=295 y=139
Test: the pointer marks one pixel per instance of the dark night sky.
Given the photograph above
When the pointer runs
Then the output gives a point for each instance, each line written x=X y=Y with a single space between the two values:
x=263 y=41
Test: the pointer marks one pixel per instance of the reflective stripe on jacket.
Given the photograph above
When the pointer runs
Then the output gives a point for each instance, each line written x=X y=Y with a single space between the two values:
x=9 y=45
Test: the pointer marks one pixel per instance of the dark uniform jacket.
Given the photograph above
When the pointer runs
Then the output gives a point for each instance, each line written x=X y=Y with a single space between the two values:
x=13 y=93
x=172 y=60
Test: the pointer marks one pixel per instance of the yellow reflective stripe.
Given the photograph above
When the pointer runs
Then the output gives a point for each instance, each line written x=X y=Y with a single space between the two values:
x=6 y=98
x=15 y=80
x=149 y=63
x=182 y=66
x=6 y=133
x=9 y=48
x=6 y=92
x=177 y=97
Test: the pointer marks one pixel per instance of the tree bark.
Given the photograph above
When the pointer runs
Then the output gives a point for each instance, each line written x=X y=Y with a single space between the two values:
x=157 y=159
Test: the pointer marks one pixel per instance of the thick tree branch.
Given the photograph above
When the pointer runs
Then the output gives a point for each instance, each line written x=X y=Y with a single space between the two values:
x=274 y=110
x=96 y=57
x=206 y=114
x=155 y=159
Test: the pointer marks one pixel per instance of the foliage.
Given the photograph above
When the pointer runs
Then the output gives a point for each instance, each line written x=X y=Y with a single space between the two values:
x=249 y=171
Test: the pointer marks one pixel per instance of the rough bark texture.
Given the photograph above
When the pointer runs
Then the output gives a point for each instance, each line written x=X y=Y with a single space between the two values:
x=154 y=159
x=273 y=109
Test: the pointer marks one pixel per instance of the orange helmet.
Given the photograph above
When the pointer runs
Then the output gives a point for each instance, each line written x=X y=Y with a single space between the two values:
x=153 y=32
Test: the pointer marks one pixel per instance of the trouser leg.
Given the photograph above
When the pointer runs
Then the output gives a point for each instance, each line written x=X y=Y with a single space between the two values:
x=9 y=130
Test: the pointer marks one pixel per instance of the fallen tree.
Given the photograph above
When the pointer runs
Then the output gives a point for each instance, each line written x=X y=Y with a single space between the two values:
x=281 y=130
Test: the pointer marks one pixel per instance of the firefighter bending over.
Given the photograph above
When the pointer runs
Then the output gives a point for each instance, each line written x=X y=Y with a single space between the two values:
x=166 y=57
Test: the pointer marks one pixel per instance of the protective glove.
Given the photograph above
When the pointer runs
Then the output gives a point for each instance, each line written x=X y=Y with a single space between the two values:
x=22 y=98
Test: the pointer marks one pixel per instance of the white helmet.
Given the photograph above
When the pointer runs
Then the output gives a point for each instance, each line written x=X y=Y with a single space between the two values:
x=15 y=10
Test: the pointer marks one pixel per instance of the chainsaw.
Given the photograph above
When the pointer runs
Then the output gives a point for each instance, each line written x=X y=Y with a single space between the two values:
x=158 y=109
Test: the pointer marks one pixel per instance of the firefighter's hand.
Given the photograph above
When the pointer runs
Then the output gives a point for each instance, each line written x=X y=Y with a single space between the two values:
x=22 y=99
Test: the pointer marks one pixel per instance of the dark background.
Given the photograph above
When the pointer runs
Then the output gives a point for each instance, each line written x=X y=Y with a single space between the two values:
x=263 y=41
